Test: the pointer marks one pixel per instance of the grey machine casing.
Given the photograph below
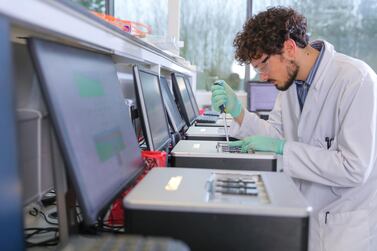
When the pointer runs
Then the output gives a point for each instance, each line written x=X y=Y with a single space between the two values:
x=206 y=133
x=275 y=220
x=204 y=154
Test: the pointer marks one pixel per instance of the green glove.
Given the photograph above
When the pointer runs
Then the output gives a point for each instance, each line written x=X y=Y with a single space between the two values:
x=223 y=94
x=260 y=143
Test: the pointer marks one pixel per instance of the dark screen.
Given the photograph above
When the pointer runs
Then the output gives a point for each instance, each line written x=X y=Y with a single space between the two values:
x=85 y=101
x=154 y=118
x=192 y=97
x=11 y=225
x=183 y=98
x=175 y=117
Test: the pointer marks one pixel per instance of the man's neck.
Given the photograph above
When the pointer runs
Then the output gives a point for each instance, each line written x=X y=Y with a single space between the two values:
x=306 y=60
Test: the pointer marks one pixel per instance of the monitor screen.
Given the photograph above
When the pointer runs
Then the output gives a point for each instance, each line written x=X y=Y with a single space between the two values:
x=11 y=221
x=93 y=128
x=175 y=117
x=182 y=98
x=192 y=96
x=262 y=96
x=153 y=116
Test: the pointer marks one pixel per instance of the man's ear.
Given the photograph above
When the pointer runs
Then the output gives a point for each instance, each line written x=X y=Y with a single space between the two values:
x=290 y=49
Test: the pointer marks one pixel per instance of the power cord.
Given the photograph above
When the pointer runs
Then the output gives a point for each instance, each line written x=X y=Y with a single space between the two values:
x=34 y=212
x=32 y=232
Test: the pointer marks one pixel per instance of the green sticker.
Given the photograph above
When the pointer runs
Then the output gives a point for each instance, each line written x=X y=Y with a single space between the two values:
x=89 y=87
x=109 y=144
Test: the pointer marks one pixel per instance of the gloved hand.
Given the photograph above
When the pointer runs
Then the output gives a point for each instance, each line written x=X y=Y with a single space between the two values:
x=260 y=143
x=223 y=94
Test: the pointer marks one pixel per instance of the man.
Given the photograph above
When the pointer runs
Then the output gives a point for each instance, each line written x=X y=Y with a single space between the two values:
x=324 y=124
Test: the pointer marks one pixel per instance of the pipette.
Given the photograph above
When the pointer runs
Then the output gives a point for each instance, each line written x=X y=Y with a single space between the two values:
x=222 y=110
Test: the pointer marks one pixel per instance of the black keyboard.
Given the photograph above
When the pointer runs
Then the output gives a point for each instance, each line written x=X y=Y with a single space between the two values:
x=124 y=243
x=206 y=119
x=211 y=113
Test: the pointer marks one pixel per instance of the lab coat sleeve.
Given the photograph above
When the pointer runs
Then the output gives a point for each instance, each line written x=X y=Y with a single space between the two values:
x=351 y=162
x=253 y=125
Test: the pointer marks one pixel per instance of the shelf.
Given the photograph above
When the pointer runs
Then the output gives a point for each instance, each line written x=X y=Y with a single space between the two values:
x=67 y=22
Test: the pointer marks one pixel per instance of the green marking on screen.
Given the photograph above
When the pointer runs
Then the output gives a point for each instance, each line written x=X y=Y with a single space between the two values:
x=88 y=87
x=109 y=145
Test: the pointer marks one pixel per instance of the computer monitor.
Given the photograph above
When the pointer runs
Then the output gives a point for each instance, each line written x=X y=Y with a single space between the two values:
x=182 y=98
x=192 y=96
x=90 y=118
x=11 y=220
x=153 y=116
x=262 y=96
x=175 y=118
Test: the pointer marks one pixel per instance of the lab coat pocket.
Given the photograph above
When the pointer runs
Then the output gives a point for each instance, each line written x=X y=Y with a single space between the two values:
x=320 y=143
x=328 y=143
x=348 y=231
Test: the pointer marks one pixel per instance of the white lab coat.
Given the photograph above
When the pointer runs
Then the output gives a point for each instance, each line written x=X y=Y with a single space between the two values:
x=342 y=181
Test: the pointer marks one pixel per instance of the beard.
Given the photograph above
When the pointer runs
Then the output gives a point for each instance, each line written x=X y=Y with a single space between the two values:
x=292 y=70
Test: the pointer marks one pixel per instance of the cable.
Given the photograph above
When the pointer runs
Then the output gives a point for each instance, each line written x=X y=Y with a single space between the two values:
x=39 y=230
x=49 y=242
x=103 y=227
x=142 y=142
x=79 y=217
x=47 y=220
x=34 y=212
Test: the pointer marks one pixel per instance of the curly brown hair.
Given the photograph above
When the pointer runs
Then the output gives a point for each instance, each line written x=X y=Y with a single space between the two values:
x=267 y=31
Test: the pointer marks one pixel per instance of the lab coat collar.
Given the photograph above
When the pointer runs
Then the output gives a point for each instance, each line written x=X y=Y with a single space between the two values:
x=316 y=96
x=314 y=101
x=328 y=55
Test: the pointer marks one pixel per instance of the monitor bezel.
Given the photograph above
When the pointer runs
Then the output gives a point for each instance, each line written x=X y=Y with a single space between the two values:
x=89 y=217
x=192 y=96
x=179 y=99
x=177 y=126
x=143 y=114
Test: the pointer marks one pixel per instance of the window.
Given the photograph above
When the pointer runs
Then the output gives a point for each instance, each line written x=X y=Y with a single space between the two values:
x=94 y=5
x=208 y=29
x=150 y=12
x=351 y=26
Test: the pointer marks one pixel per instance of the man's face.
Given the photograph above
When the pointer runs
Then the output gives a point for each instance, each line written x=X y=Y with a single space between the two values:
x=278 y=70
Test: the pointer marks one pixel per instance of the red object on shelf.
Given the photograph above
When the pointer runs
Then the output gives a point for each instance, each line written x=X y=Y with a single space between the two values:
x=154 y=158
x=135 y=28
x=116 y=216
x=201 y=111
x=151 y=159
